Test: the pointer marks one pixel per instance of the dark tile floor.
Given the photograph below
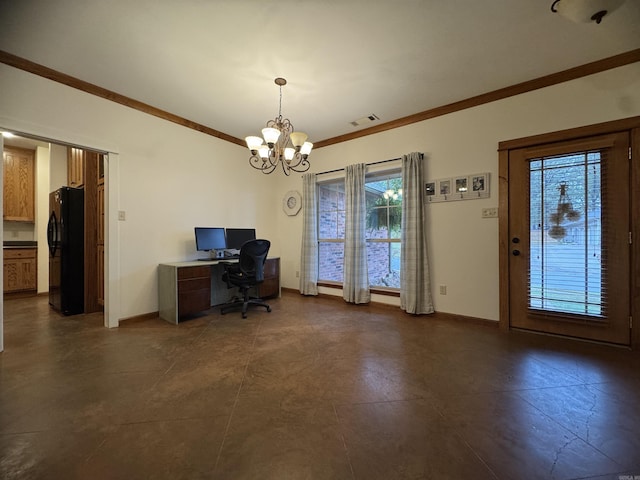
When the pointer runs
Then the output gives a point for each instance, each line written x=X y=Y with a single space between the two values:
x=315 y=389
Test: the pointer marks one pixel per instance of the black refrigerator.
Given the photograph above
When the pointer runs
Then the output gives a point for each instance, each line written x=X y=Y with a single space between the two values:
x=65 y=236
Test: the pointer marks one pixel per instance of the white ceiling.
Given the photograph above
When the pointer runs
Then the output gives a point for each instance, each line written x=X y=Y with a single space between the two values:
x=214 y=61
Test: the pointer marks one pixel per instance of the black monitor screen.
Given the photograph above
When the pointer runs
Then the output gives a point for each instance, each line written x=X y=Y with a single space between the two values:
x=210 y=238
x=236 y=237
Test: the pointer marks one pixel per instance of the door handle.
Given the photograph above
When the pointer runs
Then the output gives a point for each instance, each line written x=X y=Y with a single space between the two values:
x=515 y=253
x=515 y=240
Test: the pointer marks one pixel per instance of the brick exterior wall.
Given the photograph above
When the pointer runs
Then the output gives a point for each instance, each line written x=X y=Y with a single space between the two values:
x=383 y=271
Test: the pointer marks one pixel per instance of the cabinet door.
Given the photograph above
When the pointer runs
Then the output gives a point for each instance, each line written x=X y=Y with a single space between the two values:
x=20 y=270
x=271 y=285
x=75 y=167
x=18 y=182
x=194 y=289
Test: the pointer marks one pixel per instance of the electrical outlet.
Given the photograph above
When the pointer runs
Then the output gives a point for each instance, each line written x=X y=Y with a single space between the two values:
x=121 y=215
x=489 y=213
x=443 y=289
x=297 y=274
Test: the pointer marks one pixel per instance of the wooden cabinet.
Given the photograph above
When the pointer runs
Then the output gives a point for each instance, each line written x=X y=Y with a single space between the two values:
x=75 y=167
x=19 y=185
x=194 y=290
x=20 y=270
x=271 y=285
x=185 y=288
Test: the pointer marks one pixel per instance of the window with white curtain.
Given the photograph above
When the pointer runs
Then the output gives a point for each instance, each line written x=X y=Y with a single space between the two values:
x=384 y=210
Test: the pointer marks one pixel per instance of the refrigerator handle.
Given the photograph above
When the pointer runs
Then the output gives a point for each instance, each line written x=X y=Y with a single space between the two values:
x=52 y=233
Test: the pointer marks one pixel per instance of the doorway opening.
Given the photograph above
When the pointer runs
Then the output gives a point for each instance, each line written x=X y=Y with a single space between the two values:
x=58 y=164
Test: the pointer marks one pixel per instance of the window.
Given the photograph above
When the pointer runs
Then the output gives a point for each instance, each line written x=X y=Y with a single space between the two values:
x=566 y=271
x=384 y=209
x=331 y=231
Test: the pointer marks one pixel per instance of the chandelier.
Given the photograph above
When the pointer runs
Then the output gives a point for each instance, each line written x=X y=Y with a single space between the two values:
x=281 y=145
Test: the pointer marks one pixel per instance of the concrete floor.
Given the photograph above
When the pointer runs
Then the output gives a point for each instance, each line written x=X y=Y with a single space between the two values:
x=315 y=389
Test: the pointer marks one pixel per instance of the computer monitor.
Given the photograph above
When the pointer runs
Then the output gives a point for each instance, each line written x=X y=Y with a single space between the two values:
x=210 y=238
x=236 y=237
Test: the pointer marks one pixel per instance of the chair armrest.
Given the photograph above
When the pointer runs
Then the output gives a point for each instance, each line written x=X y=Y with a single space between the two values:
x=230 y=268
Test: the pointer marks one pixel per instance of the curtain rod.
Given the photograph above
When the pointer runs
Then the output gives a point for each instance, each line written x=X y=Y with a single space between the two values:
x=367 y=164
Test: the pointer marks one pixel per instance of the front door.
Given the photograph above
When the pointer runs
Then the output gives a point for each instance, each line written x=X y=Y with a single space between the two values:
x=569 y=240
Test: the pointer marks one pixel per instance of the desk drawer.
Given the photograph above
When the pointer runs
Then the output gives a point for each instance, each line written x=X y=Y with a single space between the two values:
x=194 y=284
x=193 y=301
x=185 y=273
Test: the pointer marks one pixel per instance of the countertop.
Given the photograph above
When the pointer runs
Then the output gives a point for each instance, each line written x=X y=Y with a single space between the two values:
x=20 y=244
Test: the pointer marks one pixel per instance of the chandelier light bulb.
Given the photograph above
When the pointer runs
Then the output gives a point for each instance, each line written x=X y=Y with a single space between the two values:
x=306 y=148
x=263 y=151
x=270 y=135
x=253 y=143
x=298 y=139
x=289 y=153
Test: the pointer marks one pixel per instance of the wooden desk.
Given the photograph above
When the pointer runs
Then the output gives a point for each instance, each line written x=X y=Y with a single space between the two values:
x=185 y=288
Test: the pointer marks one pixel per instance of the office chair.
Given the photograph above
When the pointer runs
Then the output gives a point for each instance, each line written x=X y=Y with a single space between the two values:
x=245 y=274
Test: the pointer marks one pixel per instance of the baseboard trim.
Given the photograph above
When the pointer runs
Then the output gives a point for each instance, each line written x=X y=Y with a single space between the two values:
x=452 y=317
x=22 y=294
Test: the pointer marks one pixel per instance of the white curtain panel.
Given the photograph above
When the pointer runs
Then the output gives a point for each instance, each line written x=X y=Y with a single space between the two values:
x=356 y=275
x=415 y=282
x=309 y=250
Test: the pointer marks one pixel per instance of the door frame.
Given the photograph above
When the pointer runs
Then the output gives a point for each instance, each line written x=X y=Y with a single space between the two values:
x=112 y=194
x=630 y=125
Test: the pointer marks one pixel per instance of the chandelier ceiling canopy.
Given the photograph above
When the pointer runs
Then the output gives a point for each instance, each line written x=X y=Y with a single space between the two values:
x=279 y=145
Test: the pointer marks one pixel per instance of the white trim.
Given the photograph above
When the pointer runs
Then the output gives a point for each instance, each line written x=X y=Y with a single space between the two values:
x=112 y=241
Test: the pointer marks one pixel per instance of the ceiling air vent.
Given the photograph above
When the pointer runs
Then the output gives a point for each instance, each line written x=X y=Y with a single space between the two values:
x=364 y=120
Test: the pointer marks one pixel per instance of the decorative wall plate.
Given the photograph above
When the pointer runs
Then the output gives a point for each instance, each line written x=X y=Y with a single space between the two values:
x=292 y=203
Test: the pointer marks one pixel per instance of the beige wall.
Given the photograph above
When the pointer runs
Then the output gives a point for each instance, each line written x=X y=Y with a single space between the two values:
x=464 y=246
x=170 y=178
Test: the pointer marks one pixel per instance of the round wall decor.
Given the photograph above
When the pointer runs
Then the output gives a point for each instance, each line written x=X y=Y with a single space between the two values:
x=292 y=203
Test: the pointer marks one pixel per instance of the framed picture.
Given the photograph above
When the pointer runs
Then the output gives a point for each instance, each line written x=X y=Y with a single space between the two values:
x=430 y=188
x=465 y=187
x=444 y=186
x=480 y=183
x=461 y=184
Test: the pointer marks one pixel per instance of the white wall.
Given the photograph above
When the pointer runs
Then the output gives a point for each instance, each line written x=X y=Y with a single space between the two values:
x=57 y=168
x=463 y=246
x=172 y=178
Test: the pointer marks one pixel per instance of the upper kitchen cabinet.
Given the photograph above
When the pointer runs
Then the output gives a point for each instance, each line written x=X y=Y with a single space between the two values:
x=75 y=167
x=19 y=184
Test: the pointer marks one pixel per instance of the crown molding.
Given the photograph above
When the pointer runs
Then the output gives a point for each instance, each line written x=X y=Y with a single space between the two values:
x=609 y=63
x=517 y=89
x=63 y=78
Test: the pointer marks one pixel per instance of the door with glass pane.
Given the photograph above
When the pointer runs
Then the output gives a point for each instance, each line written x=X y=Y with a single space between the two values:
x=569 y=249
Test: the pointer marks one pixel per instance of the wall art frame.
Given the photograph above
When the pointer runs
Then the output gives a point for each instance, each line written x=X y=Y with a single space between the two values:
x=461 y=187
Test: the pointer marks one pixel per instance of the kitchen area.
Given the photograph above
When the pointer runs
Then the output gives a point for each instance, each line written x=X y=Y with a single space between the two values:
x=33 y=177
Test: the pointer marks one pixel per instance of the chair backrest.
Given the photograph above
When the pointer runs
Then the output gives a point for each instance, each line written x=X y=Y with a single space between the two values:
x=253 y=254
